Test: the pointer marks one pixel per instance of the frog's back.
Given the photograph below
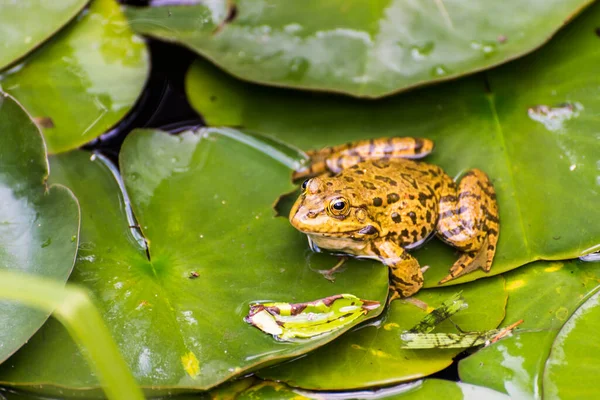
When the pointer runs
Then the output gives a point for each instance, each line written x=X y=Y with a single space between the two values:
x=402 y=195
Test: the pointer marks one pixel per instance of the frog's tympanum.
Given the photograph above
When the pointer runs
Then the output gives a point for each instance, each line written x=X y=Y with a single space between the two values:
x=370 y=199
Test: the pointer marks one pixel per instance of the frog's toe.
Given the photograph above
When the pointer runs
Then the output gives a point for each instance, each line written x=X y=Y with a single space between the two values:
x=468 y=262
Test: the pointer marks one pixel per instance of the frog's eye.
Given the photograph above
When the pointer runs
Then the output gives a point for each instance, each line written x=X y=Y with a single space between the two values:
x=338 y=207
x=304 y=185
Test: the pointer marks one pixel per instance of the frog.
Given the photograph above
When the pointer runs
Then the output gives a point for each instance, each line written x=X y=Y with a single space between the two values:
x=377 y=199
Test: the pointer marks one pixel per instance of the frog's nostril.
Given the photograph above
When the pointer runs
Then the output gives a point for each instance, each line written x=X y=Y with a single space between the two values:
x=311 y=214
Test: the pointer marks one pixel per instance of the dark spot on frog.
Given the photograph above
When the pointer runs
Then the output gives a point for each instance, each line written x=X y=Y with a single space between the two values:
x=396 y=217
x=392 y=198
x=418 y=144
x=329 y=183
x=386 y=179
x=423 y=199
x=368 y=185
x=381 y=164
x=348 y=179
x=377 y=202
x=359 y=171
x=428 y=216
x=368 y=230
x=423 y=232
x=232 y=13
x=597 y=32
x=404 y=233
x=413 y=217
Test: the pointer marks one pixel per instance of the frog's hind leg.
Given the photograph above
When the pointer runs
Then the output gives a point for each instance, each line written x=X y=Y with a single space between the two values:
x=335 y=159
x=468 y=220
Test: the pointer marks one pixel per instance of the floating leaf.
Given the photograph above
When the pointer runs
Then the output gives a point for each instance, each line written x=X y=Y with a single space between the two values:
x=371 y=355
x=204 y=203
x=39 y=224
x=288 y=321
x=364 y=48
x=495 y=122
x=85 y=80
x=26 y=24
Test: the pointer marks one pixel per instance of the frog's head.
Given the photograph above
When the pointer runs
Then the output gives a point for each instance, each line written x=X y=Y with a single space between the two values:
x=324 y=211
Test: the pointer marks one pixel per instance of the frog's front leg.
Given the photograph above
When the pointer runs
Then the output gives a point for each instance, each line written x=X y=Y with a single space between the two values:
x=336 y=158
x=406 y=276
x=468 y=220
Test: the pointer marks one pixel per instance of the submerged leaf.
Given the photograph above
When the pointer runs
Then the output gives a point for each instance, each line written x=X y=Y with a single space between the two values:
x=447 y=309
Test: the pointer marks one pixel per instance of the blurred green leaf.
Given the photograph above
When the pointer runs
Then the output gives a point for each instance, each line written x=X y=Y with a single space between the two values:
x=85 y=80
x=361 y=48
x=26 y=24
x=530 y=125
x=39 y=224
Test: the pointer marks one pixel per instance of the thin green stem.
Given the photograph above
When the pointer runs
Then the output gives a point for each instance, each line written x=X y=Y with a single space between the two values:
x=72 y=306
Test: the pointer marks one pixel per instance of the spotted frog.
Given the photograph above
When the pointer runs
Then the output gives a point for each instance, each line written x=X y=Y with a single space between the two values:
x=371 y=199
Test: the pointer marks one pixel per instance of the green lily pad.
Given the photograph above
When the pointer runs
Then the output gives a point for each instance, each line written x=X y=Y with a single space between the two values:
x=85 y=80
x=521 y=123
x=363 y=48
x=371 y=355
x=572 y=368
x=204 y=203
x=544 y=295
x=26 y=24
x=39 y=224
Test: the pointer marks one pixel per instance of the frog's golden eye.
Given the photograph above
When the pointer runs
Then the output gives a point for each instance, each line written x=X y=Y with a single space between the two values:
x=338 y=207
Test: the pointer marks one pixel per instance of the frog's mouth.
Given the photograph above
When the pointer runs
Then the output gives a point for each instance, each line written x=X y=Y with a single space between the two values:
x=363 y=233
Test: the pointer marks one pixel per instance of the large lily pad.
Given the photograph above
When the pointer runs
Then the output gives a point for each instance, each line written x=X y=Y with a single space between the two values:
x=529 y=125
x=544 y=295
x=572 y=368
x=25 y=24
x=39 y=224
x=372 y=355
x=362 y=48
x=203 y=202
x=85 y=80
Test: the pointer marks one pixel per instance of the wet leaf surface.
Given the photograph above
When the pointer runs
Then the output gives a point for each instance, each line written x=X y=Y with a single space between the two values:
x=371 y=355
x=367 y=49
x=178 y=317
x=85 y=80
x=521 y=123
x=544 y=295
x=26 y=24
x=572 y=368
x=39 y=224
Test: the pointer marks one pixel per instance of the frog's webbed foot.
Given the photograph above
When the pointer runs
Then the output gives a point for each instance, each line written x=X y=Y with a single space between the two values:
x=328 y=273
x=336 y=158
x=469 y=221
